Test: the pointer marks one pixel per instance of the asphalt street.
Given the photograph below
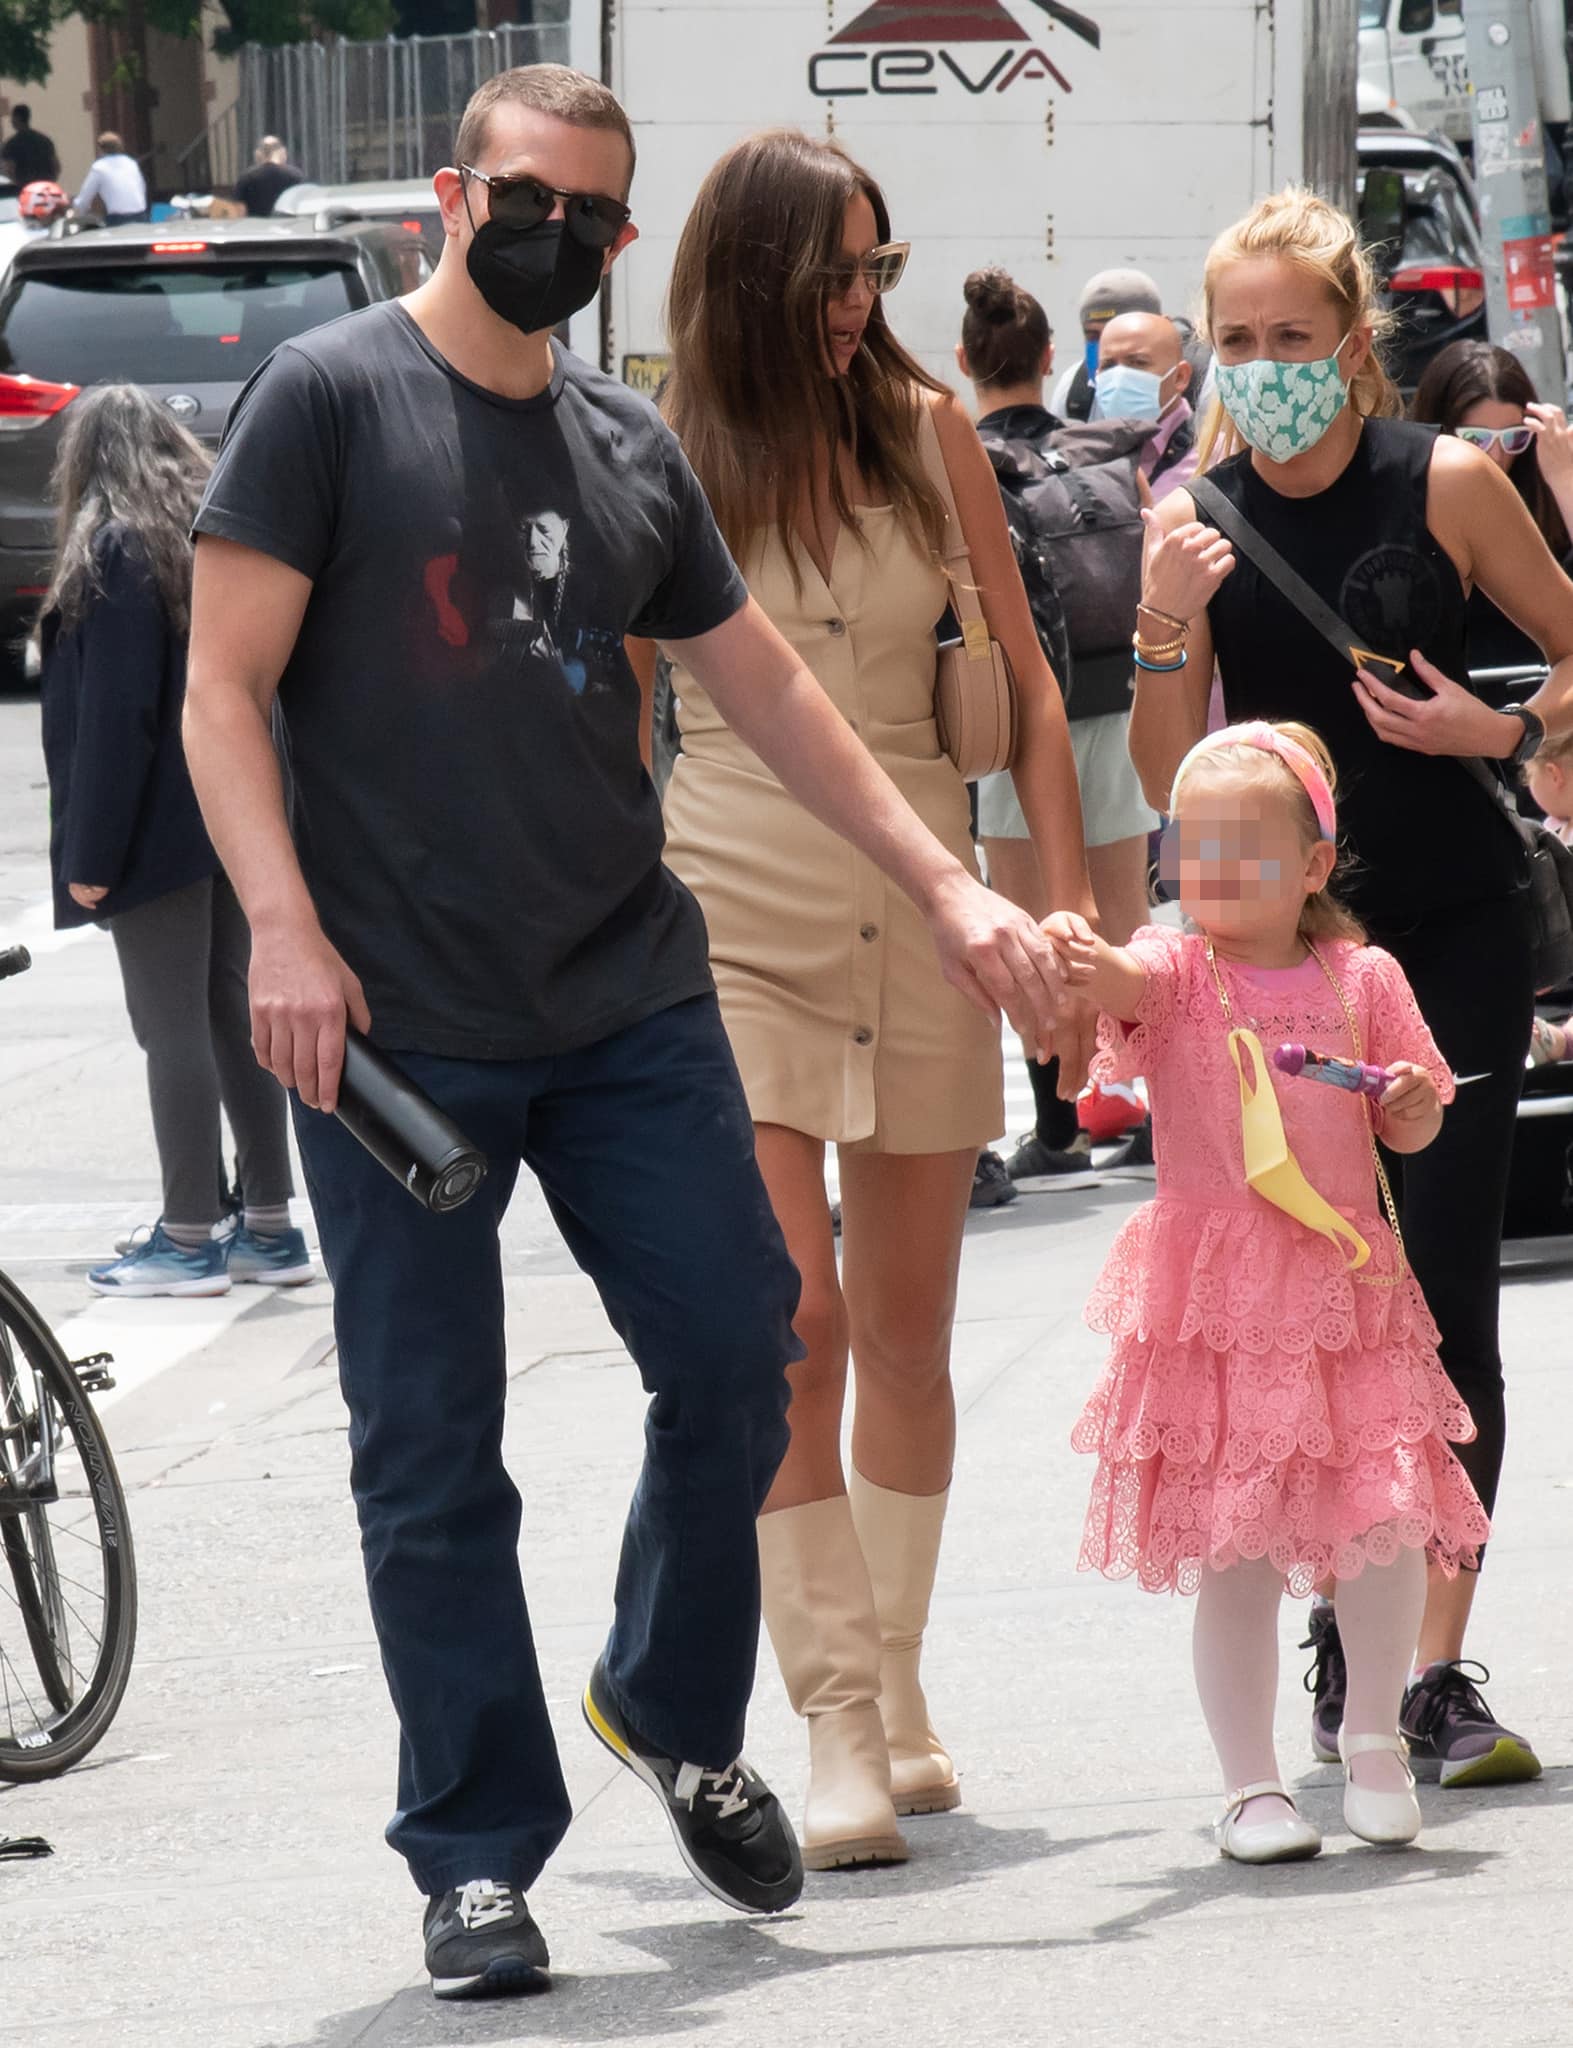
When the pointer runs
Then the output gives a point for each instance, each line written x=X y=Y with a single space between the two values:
x=219 y=1879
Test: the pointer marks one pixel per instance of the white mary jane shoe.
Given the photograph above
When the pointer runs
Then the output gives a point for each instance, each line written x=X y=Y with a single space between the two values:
x=1290 y=1840
x=1387 y=1819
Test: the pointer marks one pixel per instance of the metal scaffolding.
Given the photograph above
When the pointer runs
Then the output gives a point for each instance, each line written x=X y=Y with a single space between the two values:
x=350 y=112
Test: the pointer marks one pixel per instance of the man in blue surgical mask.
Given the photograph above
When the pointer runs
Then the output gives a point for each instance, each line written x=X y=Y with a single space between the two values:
x=1105 y=296
x=1143 y=374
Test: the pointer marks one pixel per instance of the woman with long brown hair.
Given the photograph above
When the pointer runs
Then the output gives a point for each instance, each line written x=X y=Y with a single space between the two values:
x=807 y=423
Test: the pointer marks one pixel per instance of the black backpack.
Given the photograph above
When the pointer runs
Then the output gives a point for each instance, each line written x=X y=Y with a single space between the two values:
x=1073 y=504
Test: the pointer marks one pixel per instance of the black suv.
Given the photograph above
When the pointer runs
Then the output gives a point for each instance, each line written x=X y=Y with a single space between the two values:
x=1420 y=217
x=186 y=308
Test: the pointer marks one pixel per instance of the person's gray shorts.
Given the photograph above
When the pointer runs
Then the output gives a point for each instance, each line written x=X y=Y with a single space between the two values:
x=1112 y=804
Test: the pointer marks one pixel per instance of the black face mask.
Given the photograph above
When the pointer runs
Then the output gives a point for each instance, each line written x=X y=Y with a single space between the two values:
x=533 y=277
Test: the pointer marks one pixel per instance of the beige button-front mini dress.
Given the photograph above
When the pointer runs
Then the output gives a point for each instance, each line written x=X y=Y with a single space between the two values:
x=841 y=1022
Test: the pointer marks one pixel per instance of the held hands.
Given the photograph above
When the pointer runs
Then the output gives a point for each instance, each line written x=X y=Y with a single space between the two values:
x=1073 y=945
x=1184 y=568
x=85 y=894
x=301 y=994
x=1450 y=721
x=996 y=956
x=1075 y=949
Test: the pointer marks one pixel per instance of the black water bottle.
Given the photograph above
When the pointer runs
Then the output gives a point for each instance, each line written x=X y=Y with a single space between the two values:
x=404 y=1130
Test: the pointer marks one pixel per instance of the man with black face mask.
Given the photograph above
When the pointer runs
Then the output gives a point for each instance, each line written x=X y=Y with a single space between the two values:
x=426 y=535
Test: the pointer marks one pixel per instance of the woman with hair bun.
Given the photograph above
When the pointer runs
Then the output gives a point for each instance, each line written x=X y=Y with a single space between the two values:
x=1006 y=352
x=1392 y=525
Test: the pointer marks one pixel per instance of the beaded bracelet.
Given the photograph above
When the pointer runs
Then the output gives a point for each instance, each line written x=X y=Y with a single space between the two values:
x=1163 y=668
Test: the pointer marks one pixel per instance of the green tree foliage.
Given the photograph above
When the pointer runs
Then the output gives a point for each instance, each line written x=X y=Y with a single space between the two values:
x=26 y=25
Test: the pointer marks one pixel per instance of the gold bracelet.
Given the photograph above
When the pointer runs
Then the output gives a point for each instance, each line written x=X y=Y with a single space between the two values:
x=1150 y=651
x=1181 y=626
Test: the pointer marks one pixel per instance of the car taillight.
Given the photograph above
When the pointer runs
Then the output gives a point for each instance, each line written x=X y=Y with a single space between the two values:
x=29 y=401
x=410 y=227
x=1462 y=291
x=179 y=248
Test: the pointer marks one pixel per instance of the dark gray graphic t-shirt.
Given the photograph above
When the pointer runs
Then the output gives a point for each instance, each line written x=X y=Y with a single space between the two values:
x=468 y=803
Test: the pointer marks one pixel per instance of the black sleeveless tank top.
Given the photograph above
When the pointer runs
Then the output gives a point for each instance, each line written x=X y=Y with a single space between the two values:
x=1420 y=832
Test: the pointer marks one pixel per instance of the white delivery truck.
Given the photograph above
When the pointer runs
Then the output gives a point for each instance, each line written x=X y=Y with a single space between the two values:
x=1055 y=139
x=1413 y=52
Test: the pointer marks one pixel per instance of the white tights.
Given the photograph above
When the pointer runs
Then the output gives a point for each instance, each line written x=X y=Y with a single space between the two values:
x=1235 y=1652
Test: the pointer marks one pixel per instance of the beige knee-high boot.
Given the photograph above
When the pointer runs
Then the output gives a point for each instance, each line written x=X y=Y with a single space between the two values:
x=899 y=1534
x=820 y=1613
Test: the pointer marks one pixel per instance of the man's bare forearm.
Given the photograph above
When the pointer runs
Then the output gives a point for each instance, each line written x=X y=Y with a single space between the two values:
x=235 y=773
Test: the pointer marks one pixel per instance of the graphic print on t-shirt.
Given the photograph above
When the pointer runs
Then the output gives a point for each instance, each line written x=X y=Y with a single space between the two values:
x=540 y=605
x=516 y=583
x=1392 y=597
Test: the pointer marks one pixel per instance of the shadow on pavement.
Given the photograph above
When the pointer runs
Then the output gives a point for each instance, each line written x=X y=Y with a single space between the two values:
x=1343 y=1870
x=696 y=1966
x=699 y=1963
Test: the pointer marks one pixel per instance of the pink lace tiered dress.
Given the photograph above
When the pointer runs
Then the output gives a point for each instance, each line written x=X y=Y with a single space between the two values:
x=1262 y=1400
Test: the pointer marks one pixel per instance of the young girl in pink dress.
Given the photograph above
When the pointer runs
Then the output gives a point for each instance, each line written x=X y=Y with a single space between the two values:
x=1274 y=1409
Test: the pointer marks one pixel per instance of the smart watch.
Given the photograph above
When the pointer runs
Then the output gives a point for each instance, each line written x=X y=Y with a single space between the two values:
x=1534 y=734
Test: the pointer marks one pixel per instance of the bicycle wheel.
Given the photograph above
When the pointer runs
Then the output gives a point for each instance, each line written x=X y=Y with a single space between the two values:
x=68 y=1606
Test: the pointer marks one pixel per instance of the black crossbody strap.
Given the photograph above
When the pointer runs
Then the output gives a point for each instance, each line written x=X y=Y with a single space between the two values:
x=1317 y=612
x=1289 y=583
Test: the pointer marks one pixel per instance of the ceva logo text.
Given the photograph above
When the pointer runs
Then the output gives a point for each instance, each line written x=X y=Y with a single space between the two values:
x=906 y=47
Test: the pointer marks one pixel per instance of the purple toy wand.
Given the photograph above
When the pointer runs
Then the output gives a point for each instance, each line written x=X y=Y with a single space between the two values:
x=1354 y=1075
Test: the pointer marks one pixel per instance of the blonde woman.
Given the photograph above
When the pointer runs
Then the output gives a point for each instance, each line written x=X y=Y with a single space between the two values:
x=806 y=422
x=1393 y=526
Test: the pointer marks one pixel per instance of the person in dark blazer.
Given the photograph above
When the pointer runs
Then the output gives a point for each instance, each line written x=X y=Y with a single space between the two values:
x=128 y=849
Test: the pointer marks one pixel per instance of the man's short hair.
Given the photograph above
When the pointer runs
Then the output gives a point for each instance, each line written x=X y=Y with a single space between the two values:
x=271 y=150
x=21 y=115
x=546 y=89
x=110 y=144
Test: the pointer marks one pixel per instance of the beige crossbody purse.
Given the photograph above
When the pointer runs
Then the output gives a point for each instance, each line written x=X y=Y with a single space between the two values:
x=974 y=690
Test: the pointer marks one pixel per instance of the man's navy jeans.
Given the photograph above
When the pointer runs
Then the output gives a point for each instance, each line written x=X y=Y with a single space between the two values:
x=643 y=1146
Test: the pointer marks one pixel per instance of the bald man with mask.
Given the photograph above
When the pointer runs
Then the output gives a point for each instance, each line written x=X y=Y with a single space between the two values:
x=1143 y=374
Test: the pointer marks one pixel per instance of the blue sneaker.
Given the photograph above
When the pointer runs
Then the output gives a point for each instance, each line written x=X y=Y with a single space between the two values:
x=281 y=1261
x=160 y=1266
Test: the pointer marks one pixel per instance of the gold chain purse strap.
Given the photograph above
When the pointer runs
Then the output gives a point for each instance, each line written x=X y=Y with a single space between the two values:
x=1371 y=1279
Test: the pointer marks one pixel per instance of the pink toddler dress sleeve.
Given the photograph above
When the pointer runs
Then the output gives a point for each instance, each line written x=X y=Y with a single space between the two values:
x=1127 y=1051
x=1390 y=1016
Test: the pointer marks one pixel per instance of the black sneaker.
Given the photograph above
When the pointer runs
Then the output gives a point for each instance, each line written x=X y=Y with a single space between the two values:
x=729 y=1826
x=1034 y=1160
x=1137 y=1148
x=1445 y=1717
x=1327 y=1682
x=482 y=1943
x=992 y=1186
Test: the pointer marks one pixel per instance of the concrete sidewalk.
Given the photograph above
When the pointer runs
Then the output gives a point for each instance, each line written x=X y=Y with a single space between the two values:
x=219 y=1879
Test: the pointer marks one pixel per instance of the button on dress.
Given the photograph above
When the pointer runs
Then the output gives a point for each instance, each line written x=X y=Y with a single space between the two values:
x=841 y=1021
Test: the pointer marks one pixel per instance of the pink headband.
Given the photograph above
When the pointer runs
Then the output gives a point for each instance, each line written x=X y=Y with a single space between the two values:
x=1268 y=740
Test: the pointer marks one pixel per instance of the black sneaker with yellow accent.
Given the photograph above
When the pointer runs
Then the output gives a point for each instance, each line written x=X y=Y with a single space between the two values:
x=728 y=1824
x=482 y=1943
x=1445 y=1717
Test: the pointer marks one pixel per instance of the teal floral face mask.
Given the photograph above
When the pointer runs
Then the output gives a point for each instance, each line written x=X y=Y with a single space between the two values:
x=1283 y=409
